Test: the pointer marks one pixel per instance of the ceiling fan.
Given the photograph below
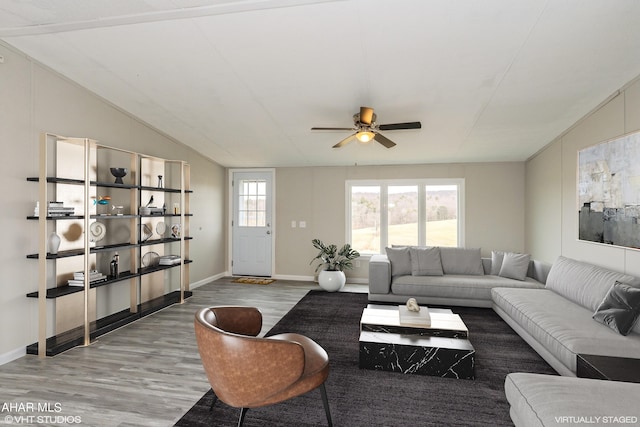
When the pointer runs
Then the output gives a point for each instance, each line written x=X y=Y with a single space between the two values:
x=366 y=129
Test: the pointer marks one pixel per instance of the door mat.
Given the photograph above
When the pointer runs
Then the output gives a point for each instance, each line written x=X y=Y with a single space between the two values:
x=253 y=281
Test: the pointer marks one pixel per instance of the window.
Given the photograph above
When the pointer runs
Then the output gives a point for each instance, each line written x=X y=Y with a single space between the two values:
x=404 y=212
x=252 y=203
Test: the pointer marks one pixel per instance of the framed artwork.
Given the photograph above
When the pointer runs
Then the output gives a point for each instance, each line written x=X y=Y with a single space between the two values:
x=609 y=192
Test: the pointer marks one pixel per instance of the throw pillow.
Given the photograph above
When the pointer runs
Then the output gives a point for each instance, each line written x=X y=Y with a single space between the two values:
x=400 y=261
x=515 y=266
x=425 y=261
x=620 y=308
x=461 y=261
x=496 y=262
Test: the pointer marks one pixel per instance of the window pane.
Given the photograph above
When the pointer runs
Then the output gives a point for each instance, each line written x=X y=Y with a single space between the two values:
x=262 y=188
x=441 y=215
x=365 y=218
x=253 y=188
x=402 y=215
x=261 y=219
x=261 y=203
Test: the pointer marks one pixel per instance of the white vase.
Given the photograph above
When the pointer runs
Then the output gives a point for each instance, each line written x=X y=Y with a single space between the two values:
x=331 y=281
x=54 y=243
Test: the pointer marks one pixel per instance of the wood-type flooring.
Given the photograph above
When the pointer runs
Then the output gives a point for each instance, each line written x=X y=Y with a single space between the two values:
x=147 y=373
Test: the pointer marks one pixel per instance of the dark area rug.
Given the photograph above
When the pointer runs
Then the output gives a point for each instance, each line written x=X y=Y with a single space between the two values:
x=359 y=397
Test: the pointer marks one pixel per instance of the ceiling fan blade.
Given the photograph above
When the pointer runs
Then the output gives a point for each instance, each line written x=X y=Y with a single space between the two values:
x=331 y=128
x=345 y=141
x=398 y=126
x=366 y=115
x=384 y=140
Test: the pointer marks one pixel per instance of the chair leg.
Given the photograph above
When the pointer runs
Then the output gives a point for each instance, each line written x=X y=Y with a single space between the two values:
x=213 y=402
x=243 y=412
x=325 y=402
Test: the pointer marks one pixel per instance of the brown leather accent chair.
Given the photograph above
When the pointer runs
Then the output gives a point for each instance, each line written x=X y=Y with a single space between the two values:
x=249 y=372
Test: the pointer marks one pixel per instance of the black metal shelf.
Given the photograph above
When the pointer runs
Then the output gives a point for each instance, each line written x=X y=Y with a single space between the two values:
x=163 y=215
x=93 y=250
x=107 y=248
x=61 y=291
x=54 y=218
x=75 y=337
x=163 y=240
x=166 y=190
x=56 y=180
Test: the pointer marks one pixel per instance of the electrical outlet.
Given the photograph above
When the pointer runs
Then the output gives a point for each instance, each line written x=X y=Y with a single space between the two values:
x=303 y=224
x=357 y=263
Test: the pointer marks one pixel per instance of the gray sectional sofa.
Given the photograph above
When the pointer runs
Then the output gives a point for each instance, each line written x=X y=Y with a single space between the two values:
x=553 y=308
x=558 y=322
x=448 y=276
x=546 y=400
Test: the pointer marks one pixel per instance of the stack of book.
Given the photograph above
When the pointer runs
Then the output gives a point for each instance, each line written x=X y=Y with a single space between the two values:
x=414 y=318
x=58 y=209
x=170 y=260
x=94 y=277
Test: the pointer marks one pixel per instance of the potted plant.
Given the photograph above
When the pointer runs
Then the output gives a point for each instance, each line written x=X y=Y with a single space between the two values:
x=332 y=264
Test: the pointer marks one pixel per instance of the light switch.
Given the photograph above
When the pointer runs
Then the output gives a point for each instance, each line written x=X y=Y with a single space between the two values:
x=293 y=224
x=303 y=224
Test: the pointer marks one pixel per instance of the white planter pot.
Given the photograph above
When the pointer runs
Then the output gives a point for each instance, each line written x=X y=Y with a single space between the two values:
x=331 y=281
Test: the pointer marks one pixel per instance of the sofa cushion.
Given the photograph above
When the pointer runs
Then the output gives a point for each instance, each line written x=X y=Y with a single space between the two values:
x=425 y=261
x=515 y=266
x=461 y=261
x=400 y=260
x=582 y=283
x=563 y=328
x=457 y=286
x=548 y=400
x=620 y=308
x=496 y=262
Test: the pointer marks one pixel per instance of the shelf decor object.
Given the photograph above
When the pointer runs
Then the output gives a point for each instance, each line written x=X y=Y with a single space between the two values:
x=85 y=290
x=97 y=231
x=54 y=243
x=119 y=173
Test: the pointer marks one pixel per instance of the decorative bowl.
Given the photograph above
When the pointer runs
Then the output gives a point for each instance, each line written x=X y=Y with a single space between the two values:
x=119 y=173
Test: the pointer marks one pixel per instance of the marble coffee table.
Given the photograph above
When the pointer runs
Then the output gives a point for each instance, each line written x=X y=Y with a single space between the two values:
x=442 y=349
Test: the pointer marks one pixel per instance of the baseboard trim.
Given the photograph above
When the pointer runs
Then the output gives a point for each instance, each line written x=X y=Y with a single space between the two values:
x=354 y=280
x=13 y=355
x=291 y=277
x=209 y=279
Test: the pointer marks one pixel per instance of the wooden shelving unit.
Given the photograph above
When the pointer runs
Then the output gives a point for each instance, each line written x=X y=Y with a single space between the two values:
x=86 y=165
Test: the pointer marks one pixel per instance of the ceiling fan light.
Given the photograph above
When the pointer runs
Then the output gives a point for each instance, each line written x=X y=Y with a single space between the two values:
x=365 y=136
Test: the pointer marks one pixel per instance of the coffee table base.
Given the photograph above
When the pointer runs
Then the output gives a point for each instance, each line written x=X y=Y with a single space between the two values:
x=441 y=357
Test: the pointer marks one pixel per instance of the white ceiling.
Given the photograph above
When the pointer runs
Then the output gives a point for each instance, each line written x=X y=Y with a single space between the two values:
x=243 y=81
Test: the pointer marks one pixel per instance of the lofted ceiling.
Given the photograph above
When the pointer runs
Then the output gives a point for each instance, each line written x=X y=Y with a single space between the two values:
x=243 y=81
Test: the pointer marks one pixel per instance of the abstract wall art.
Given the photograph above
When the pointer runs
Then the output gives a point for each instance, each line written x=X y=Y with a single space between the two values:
x=609 y=192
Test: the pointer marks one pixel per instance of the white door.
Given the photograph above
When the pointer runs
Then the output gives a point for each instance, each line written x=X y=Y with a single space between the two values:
x=252 y=232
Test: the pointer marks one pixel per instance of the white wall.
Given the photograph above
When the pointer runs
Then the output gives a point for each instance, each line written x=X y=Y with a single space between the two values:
x=552 y=226
x=494 y=207
x=36 y=100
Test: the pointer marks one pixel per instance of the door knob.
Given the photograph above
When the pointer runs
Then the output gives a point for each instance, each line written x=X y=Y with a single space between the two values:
x=268 y=232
